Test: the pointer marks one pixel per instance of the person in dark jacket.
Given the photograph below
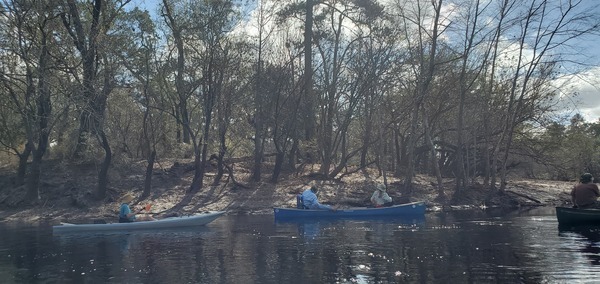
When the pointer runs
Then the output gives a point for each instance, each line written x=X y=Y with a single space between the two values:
x=586 y=193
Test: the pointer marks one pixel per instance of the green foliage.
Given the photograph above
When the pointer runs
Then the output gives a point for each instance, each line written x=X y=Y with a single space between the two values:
x=566 y=151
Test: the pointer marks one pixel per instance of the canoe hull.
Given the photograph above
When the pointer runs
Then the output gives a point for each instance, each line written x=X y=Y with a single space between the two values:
x=409 y=209
x=173 y=222
x=574 y=216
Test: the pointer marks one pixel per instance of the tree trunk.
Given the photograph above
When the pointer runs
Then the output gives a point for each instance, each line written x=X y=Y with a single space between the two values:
x=149 y=172
x=44 y=109
x=103 y=174
x=204 y=155
x=293 y=154
x=309 y=125
x=279 y=159
x=436 y=168
x=179 y=127
x=258 y=108
x=410 y=154
x=222 y=152
x=345 y=156
x=491 y=154
x=87 y=45
x=398 y=154
x=182 y=90
x=197 y=182
x=33 y=181
x=427 y=65
x=366 y=137
x=258 y=151
x=220 y=168
x=23 y=158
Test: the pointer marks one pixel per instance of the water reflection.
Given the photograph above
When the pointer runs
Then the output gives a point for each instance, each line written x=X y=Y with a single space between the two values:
x=310 y=228
x=353 y=250
x=123 y=241
x=99 y=258
x=586 y=240
x=443 y=248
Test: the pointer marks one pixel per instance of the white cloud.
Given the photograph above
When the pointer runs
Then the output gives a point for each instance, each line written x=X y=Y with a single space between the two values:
x=581 y=92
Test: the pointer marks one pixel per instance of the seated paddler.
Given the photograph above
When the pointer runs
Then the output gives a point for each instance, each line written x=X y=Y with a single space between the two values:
x=310 y=200
x=585 y=194
x=126 y=215
x=380 y=198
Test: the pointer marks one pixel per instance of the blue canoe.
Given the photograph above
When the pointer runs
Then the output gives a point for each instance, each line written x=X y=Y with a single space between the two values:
x=408 y=209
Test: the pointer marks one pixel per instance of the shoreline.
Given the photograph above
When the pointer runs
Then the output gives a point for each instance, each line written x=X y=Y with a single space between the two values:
x=67 y=192
x=519 y=194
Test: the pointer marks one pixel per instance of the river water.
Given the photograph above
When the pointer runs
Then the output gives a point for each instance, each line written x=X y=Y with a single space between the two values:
x=456 y=247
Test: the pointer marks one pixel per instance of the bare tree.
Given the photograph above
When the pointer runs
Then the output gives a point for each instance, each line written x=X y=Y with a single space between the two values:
x=32 y=26
x=545 y=26
x=95 y=86
x=140 y=40
x=184 y=90
x=474 y=36
x=264 y=18
x=425 y=48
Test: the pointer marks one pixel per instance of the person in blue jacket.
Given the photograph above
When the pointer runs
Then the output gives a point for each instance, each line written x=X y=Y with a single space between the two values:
x=310 y=200
x=126 y=215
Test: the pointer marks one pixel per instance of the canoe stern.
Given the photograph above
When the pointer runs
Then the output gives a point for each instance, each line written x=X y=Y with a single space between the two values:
x=566 y=215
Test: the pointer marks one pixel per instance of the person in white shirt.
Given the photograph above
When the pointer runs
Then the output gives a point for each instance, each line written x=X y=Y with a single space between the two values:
x=380 y=198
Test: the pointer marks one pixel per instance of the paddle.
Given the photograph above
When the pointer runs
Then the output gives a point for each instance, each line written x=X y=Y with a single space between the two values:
x=148 y=216
x=147 y=208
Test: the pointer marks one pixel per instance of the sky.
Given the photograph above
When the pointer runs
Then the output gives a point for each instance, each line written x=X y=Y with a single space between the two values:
x=585 y=93
x=578 y=85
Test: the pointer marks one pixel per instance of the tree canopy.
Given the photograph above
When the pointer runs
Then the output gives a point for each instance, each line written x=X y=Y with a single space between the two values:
x=452 y=88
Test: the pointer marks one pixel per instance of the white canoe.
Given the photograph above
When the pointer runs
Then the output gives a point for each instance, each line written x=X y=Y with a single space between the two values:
x=172 y=222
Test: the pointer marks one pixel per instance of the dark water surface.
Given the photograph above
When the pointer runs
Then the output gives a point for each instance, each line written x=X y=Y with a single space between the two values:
x=459 y=247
